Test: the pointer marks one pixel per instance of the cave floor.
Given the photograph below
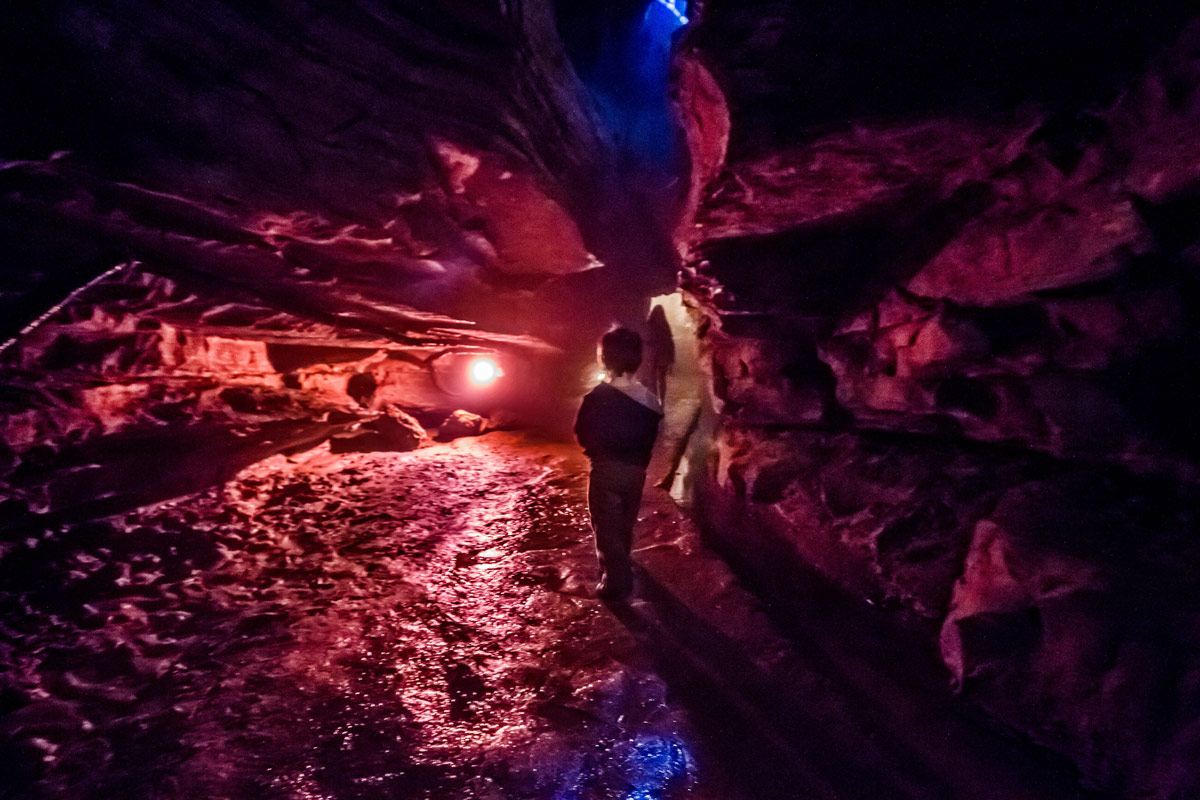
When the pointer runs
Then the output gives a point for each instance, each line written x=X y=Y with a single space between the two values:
x=383 y=625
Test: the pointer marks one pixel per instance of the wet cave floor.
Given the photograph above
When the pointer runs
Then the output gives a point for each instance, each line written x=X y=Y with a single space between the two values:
x=421 y=625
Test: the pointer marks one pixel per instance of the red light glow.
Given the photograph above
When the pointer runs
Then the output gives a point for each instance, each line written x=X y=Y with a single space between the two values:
x=484 y=371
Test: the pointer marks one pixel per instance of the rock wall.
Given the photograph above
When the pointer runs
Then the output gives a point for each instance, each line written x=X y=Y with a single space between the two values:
x=138 y=390
x=443 y=157
x=266 y=203
x=946 y=305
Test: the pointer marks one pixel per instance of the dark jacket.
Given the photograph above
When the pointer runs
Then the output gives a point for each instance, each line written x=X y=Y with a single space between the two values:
x=612 y=426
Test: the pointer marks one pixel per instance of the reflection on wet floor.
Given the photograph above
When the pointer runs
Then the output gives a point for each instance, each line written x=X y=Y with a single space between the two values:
x=421 y=625
x=360 y=625
x=643 y=768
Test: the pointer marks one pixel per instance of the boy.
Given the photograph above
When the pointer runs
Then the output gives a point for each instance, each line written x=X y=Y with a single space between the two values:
x=617 y=426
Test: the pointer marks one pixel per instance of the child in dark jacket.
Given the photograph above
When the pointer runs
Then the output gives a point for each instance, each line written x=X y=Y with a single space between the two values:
x=617 y=426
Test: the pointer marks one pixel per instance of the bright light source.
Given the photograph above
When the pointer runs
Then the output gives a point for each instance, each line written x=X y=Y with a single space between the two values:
x=484 y=371
x=674 y=7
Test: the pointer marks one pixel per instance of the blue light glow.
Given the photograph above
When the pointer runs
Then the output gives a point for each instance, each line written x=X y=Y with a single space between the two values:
x=674 y=8
x=628 y=79
x=645 y=767
x=658 y=762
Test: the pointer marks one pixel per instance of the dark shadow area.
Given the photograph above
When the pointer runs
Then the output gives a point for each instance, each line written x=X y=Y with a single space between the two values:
x=1159 y=387
x=859 y=59
x=876 y=722
x=829 y=266
x=745 y=725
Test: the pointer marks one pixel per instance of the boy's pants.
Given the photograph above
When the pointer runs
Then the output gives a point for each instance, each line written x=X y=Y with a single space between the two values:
x=614 y=495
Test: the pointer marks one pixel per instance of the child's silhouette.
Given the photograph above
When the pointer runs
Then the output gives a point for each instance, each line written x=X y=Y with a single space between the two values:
x=617 y=426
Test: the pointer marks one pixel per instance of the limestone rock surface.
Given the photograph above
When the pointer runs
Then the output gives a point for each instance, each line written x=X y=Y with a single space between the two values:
x=461 y=423
x=944 y=310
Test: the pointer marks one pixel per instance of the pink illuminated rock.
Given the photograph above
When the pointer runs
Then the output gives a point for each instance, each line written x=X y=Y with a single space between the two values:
x=392 y=431
x=1023 y=246
x=461 y=423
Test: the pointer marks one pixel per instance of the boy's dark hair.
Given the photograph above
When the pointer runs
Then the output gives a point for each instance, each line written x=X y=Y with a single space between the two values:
x=621 y=351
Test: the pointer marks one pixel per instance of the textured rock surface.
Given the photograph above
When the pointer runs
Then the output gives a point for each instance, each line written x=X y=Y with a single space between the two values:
x=139 y=390
x=946 y=310
x=392 y=431
x=461 y=423
x=310 y=628
x=425 y=155
x=315 y=212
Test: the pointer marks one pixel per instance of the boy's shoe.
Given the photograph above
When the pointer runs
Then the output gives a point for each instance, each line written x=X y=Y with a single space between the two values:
x=606 y=591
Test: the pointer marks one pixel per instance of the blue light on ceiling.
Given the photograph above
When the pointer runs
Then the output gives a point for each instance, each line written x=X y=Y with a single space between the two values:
x=678 y=8
x=628 y=77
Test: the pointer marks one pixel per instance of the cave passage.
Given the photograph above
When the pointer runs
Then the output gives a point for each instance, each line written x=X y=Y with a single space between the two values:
x=298 y=301
x=380 y=625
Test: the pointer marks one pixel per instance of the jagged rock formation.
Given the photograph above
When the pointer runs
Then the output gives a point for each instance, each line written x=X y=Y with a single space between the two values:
x=947 y=308
x=426 y=156
x=139 y=390
x=275 y=201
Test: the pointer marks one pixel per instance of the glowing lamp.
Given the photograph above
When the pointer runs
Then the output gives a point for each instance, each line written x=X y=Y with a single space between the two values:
x=484 y=371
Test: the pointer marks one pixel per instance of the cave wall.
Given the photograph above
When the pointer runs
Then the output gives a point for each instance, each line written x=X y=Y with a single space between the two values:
x=943 y=268
x=444 y=157
x=214 y=216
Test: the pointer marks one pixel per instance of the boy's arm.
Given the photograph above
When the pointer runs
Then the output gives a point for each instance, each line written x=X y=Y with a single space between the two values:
x=585 y=427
